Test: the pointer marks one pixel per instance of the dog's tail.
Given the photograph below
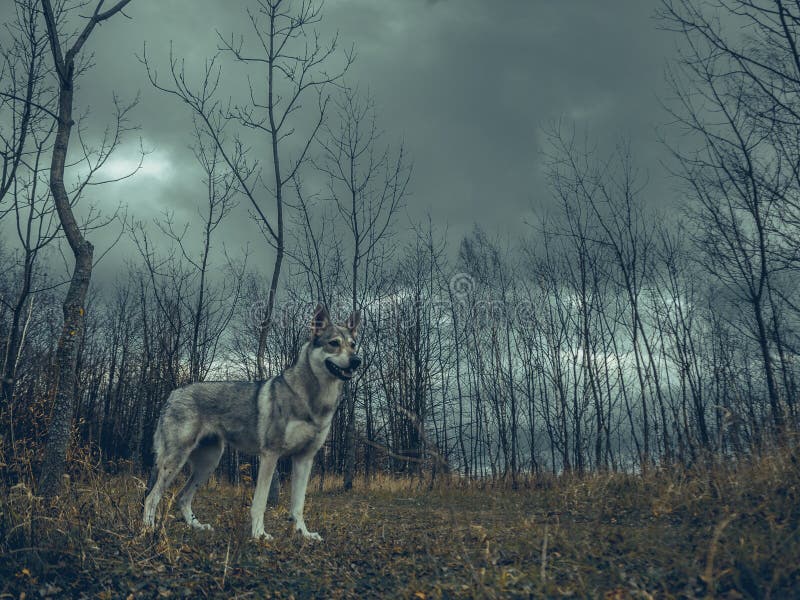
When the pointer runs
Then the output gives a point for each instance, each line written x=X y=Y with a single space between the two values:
x=158 y=451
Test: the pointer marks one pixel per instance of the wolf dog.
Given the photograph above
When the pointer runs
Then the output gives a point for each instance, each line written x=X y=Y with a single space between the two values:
x=287 y=415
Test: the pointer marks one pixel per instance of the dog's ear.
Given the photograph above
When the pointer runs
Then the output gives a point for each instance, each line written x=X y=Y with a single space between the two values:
x=320 y=321
x=353 y=321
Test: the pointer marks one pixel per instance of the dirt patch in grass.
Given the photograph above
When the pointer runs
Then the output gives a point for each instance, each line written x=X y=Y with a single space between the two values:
x=731 y=531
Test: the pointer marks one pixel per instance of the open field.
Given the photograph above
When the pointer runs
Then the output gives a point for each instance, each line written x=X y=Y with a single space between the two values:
x=727 y=532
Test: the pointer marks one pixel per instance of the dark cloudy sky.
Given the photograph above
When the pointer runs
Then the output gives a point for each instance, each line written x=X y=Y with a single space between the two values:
x=467 y=84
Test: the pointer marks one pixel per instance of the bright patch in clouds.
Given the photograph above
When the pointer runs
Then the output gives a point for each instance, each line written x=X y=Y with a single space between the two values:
x=155 y=165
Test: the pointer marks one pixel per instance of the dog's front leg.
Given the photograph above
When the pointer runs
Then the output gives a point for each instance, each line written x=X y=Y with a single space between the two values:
x=265 y=471
x=301 y=470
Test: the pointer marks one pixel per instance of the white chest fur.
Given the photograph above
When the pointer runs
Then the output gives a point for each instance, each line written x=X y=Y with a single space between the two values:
x=330 y=396
x=298 y=435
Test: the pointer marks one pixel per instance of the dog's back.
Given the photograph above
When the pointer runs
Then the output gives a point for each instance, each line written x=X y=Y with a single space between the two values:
x=224 y=409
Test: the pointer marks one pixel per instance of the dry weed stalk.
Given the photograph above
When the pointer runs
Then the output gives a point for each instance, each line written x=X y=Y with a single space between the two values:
x=543 y=568
x=708 y=573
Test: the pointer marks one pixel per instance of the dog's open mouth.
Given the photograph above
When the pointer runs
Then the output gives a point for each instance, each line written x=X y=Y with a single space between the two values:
x=337 y=371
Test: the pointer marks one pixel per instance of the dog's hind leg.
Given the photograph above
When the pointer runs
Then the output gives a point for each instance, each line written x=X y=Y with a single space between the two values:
x=167 y=466
x=301 y=470
x=265 y=471
x=203 y=460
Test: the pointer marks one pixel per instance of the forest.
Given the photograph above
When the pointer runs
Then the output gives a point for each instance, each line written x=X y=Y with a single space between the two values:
x=622 y=358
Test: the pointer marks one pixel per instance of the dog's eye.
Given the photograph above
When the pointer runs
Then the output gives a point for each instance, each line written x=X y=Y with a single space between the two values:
x=334 y=343
x=353 y=345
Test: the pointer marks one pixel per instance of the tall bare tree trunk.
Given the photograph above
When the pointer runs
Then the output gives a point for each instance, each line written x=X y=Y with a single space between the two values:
x=63 y=392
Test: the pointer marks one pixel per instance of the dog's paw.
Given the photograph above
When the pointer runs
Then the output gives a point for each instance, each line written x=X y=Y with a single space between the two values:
x=261 y=535
x=195 y=523
x=311 y=535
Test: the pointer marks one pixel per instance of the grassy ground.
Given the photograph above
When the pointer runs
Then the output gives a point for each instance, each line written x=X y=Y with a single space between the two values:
x=730 y=532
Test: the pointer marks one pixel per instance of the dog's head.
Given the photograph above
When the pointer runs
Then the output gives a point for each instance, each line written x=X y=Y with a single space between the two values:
x=335 y=345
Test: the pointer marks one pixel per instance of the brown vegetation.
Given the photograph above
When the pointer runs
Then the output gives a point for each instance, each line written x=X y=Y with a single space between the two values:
x=731 y=530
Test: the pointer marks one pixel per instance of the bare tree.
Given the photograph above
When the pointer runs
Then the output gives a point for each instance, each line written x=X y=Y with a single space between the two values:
x=737 y=95
x=24 y=94
x=317 y=245
x=209 y=302
x=678 y=296
x=367 y=183
x=610 y=189
x=582 y=265
x=36 y=227
x=67 y=67
x=290 y=62
x=25 y=106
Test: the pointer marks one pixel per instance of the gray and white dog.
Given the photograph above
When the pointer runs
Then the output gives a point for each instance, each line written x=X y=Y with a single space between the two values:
x=288 y=415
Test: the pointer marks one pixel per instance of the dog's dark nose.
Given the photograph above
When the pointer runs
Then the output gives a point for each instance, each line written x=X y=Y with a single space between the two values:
x=355 y=361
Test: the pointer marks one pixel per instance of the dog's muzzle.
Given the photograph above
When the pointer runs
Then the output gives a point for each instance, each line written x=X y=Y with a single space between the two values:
x=344 y=373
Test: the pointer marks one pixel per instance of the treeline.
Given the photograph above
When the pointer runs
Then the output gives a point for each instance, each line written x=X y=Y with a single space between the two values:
x=614 y=335
x=591 y=349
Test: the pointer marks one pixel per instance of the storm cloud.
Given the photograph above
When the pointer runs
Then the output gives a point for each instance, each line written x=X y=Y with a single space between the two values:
x=466 y=85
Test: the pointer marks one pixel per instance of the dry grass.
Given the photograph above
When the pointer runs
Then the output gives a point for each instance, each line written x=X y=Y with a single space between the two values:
x=731 y=531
